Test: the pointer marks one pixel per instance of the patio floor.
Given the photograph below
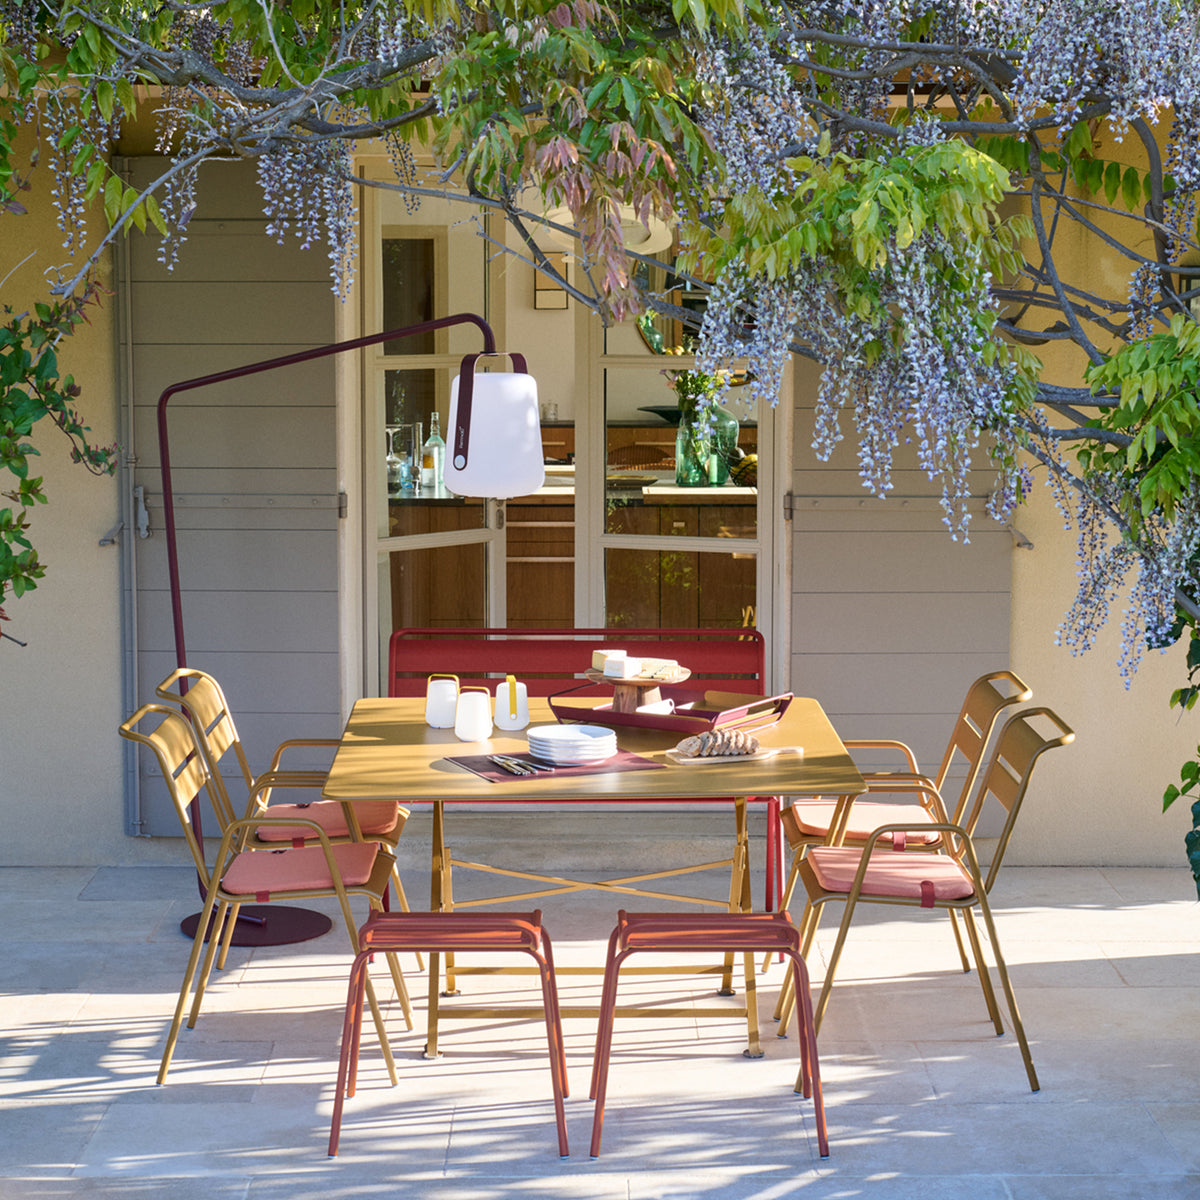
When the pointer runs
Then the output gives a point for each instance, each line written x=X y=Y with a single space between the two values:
x=923 y=1101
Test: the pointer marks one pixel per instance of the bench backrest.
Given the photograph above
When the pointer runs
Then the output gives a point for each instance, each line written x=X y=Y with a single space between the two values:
x=545 y=660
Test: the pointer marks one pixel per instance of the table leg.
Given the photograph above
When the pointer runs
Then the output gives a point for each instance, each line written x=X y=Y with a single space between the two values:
x=838 y=822
x=739 y=883
x=773 y=859
x=441 y=899
x=431 y=1037
x=438 y=860
x=436 y=891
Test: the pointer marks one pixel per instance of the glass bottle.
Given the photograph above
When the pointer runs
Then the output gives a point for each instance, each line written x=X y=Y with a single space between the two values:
x=723 y=440
x=433 y=456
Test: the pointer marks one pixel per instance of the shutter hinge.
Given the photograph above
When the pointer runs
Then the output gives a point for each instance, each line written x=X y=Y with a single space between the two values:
x=343 y=502
x=789 y=506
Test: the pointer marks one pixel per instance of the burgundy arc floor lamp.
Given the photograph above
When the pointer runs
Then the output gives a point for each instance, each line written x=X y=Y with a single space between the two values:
x=515 y=402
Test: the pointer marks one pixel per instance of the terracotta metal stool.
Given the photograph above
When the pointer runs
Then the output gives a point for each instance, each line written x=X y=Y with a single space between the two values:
x=708 y=933
x=448 y=932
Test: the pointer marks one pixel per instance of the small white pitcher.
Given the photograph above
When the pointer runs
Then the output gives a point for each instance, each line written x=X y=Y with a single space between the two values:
x=512 y=704
x=441 y=701
x=473 y=721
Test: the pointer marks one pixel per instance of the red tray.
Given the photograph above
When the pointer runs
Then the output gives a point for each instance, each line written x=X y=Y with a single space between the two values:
x=695 y=711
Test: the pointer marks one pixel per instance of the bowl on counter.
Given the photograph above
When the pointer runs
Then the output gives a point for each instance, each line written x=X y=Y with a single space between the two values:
x=668 y=412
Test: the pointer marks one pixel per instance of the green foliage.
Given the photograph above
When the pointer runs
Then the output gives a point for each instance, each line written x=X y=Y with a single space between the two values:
x=855 y=213
x=1189 y=774
x=31 y=388
x=1158 y=414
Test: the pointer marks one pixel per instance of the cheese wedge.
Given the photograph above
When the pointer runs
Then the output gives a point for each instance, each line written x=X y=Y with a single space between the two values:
x=659 y=668
x=601 y=657
x=623 y=668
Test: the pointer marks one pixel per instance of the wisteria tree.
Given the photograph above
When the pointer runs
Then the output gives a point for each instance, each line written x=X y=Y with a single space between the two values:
x=886 y=186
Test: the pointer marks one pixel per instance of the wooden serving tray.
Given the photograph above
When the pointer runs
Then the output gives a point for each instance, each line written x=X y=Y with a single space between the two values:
x=695 y=711
x=630 y=694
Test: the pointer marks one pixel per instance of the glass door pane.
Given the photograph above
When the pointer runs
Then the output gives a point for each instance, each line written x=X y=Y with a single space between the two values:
x=650 y=504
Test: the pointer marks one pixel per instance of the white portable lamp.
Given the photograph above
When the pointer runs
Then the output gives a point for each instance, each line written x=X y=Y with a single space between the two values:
x=495 y=447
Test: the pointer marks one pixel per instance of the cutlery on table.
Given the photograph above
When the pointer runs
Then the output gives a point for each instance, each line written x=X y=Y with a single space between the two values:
x=517 y=766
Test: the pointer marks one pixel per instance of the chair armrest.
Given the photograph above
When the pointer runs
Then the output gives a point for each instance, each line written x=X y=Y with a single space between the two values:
x=331 y=743
x=948 y=830
x=237 y=834
x=269 y=781
x=884 y=744
x=904 y=782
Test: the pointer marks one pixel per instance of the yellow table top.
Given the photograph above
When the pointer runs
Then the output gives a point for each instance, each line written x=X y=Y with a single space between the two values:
x=389 y=753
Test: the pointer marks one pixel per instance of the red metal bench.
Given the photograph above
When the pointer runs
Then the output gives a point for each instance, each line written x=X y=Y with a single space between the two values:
x=546 y=659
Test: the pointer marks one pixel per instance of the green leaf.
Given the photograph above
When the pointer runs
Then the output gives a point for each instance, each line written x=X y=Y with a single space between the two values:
x=1079 y=141
x=113 y=190
x=104 y=98
x=1112 y=182
x=1131 y=186
x=156 y=217
x=91 y=35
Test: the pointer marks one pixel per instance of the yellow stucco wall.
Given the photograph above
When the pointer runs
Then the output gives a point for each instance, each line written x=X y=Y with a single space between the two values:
x=60 y=757
x=1099 y=801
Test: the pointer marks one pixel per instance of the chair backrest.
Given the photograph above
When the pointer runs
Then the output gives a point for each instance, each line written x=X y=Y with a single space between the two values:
x=986 y=699
x=173 y=743
x=201 y=698
x=546 y=660
x=1006 y=779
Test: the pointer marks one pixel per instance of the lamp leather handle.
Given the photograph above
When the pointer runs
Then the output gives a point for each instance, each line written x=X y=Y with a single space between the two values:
x=460 y=446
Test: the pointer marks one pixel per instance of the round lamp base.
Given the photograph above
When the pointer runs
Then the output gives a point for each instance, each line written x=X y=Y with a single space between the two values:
x=269 y=925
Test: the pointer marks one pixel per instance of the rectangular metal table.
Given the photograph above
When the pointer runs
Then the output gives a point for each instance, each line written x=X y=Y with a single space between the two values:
x=388 y=753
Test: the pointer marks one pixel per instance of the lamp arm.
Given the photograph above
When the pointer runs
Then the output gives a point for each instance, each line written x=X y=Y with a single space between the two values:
x=257 y=368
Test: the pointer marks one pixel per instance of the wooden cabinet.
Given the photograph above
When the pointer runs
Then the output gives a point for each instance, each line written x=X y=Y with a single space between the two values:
x=444 y=586
x=541 y=563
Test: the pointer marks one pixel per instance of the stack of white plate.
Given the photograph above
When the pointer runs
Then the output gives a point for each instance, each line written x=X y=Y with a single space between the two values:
x=572 y=745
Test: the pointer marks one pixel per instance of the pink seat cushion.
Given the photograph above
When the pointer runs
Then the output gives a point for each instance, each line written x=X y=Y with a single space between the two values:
x=891 y=873
x=261 y=872
x=377 y=817
x=815 y=816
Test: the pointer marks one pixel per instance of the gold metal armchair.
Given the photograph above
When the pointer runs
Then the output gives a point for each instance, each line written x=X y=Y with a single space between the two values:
x=808 y=823
x=951 y=879
x=313 y=868
x=201 y=698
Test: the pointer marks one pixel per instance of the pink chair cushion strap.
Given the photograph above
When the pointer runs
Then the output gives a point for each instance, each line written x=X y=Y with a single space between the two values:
x=922 y=877
x=259 y=873
x=375 y=817
x=815 y=816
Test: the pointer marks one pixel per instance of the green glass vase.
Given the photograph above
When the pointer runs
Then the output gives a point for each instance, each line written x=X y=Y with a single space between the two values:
x=692 y=451
x=723 y=440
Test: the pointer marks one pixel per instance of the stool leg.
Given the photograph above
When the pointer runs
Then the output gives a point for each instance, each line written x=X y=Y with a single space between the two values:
x=604 y=1036
x=348 y=1060
x=809 y=1080
x=553 y=995
x=612 y=950
x=554 y=1040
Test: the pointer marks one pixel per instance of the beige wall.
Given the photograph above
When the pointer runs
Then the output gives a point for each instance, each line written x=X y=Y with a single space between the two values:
x=1099 y=800
x=60 y=697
